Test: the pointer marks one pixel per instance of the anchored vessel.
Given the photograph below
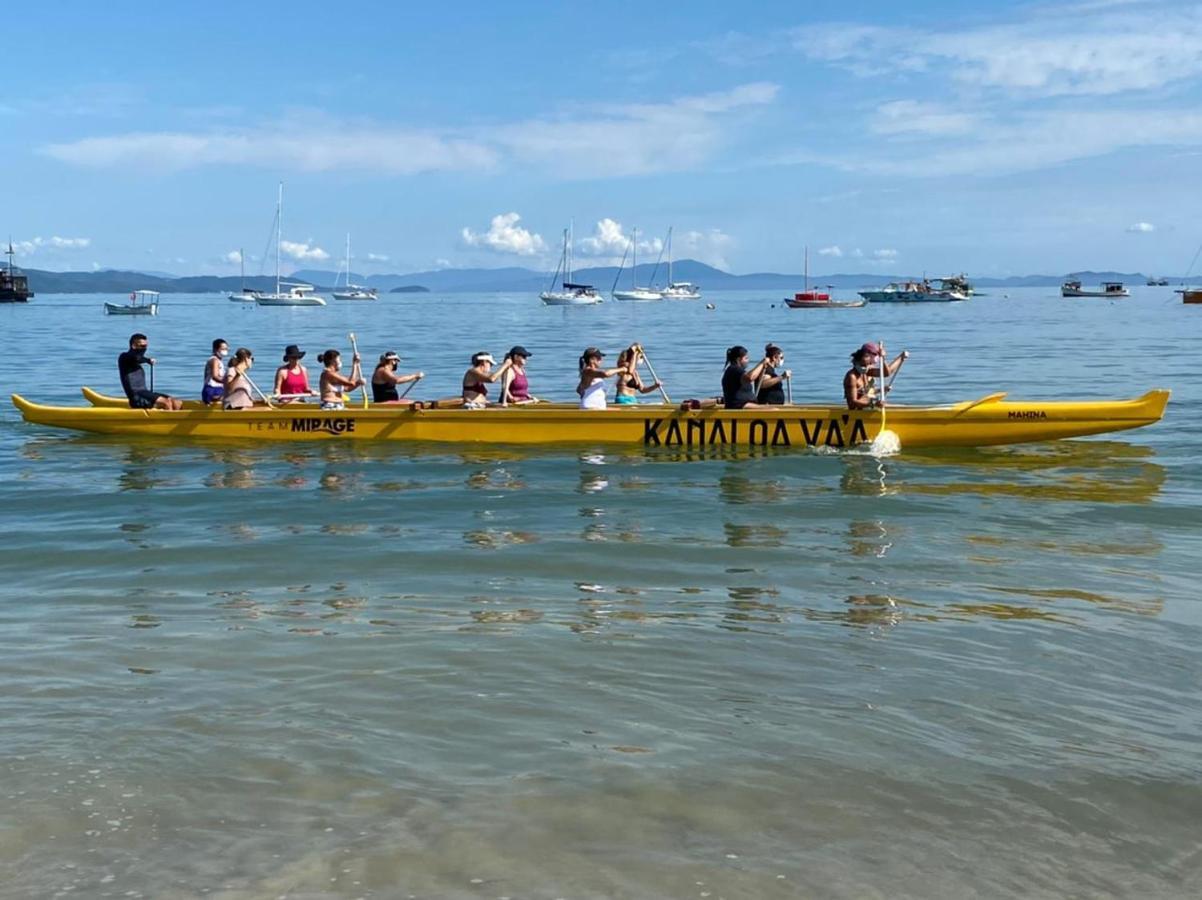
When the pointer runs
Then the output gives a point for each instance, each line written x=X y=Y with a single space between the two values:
x=297 y=294
x=141 y=303
x=808 y=299
x=987 y=421
x=353 y=291
x=678 y=290
x=636 y=293
x=914 y=292
x=14 y=285
x=572 y=294
x=1109 y=289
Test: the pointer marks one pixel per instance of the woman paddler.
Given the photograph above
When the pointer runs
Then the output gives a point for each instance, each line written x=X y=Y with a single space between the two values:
x=477 y=379
x=630 y=384
x=738 y=381
x=858 y=385
x=384 y=380
x=770 y=389
x=591 y=386
x=214 y=384
x=237 y=390
x=334 y=383
x=515 y=386
x=291 y=379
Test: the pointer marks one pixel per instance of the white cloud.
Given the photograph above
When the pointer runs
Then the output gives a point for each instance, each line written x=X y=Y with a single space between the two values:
x=918 y=118
x=26 y=248
x=441 y=263
x=1141 y=228
x=389 y=151
x=884 y=255
x=377 y=257
x=505 y=235
x=1057 y=51
x=834 y=250
x=610 y=241
x=303 y=252
x=233 y=257
x=584 y=141
x=709 y=247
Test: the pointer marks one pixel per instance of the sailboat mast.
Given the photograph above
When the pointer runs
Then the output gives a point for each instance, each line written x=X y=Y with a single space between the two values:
x=807 y=267
x=571 y=241
x=669 y=256
x=242 y=269
x=348 y=260
x=279 y=234
x=634 y=259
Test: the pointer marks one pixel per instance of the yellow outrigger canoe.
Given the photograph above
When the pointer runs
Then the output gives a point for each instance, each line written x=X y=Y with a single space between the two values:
x=990 y=420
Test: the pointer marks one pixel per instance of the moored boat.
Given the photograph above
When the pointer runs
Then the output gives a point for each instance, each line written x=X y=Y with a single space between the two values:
x=572 y=294
x=807 y=299
x=677 y=290
x=1191 y=295
x=295 y=295
x=990 y=420
x=912 y=292
x=14 y=284
x=635 y=294
x=141 y=303
x=1109 y=289
x=352 y=291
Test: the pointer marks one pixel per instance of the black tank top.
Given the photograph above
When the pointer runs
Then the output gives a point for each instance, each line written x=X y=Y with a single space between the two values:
x=384 y=393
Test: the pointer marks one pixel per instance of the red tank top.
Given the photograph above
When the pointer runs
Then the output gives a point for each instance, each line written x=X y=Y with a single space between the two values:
x=295 y=383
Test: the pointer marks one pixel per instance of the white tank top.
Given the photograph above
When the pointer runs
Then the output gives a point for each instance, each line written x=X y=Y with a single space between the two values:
x=594 y=395
x=220 y=380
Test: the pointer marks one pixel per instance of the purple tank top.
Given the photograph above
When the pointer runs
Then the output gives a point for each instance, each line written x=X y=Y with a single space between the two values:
x=519 y=388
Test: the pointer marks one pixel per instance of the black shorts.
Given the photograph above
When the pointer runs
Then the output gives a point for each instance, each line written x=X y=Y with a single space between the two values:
x=144 y=399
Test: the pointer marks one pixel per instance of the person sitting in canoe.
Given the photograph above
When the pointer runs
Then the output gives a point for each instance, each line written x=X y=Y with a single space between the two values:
x=133 y=377
x=477 y=379
x=214 y=385
x=738 y=381
x=630 y=383
x=859 y=387
x=237 y=382
x=591 y=387
x=292 y=379
x=384 y=380
x=770 y=389
x=334 y=383
x=515 y=388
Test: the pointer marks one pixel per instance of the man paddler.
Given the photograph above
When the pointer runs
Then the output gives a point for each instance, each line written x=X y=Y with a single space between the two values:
x=133 y=377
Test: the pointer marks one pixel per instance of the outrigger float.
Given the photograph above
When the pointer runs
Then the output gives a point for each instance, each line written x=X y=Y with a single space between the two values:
x=987 y=421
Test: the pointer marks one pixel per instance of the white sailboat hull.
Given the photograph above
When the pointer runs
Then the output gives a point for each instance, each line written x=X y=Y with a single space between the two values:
x=638 y=295
x=680 y=292
x=355 y=295
x=244 y=297
x=289 y=300
x=556 y=298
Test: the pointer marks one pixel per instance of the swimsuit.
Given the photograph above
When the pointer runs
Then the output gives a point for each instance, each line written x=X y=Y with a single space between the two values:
x=626 y=400
x=519 y=387
x=384 y=393
x=295 y=382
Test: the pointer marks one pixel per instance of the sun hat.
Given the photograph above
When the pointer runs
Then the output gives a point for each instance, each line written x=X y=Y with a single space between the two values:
x=869 y=349
x=292 y=351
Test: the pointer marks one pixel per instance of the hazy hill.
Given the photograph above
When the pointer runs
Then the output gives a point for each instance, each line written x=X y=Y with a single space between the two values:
x=516 y=280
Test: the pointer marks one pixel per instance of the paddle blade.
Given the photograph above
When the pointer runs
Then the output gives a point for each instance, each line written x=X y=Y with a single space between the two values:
x=886 y=443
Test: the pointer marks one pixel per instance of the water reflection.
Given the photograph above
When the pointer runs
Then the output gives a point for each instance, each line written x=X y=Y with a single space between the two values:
x=868 y=538
x=864 y=476
x=737 y=489
x=754 y=535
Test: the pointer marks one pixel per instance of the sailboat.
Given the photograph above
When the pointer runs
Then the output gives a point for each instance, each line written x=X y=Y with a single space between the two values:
x=678 y=290
x=243 y=296
x=635 y=293
x=297 y=294
x=353 y=291
x=572 y=294
x=808 y=299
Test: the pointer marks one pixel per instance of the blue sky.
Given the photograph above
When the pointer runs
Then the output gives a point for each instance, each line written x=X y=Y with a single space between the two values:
x=903 y=138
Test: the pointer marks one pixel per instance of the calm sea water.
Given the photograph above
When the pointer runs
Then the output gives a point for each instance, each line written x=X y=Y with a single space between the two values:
x=327 y=671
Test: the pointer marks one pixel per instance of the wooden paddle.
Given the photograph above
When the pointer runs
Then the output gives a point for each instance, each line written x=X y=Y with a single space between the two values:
x=255 y=387
x=651 y=369
x=408 y=389
x=789 y=389
x=355 y=350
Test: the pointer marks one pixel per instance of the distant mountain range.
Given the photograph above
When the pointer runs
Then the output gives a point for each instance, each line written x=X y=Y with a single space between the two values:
x=511 y=280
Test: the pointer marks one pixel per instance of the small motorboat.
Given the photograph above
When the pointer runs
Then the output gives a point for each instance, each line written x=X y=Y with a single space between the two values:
x=912 y=292
x=141 y=303
x=1191 y=295
x=1109 y=289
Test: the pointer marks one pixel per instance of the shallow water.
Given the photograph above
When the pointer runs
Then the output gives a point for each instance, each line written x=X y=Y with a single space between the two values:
x=327 y=671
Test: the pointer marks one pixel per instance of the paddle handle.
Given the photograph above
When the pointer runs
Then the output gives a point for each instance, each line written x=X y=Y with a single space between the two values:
x=409 y=388
x=651 y=369
x=255 y=388
x=355 y=350
x=884 y=387
x=789 y=389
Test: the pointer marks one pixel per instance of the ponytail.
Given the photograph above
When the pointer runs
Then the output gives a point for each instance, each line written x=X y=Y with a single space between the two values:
x=734 y=354
x=328 y=357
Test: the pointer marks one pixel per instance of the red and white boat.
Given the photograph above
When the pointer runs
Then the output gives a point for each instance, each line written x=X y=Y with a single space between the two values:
x=808 y=299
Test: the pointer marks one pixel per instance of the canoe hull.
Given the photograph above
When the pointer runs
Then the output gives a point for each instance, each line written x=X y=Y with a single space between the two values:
x=986 y=422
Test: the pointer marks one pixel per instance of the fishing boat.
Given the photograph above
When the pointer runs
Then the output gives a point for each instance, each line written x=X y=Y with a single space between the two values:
x=352 y=291
x=572 y=294
x=1191 y=295
x=987 y=421
x=14 y=285
x=1153 y=281
x=141 y=303
x=1109 y=289
x=636 y=294
x=677 y=290
x=808 y=299
x=912 y=292
x=243 y=295
x=296 y=294
x=958 y=283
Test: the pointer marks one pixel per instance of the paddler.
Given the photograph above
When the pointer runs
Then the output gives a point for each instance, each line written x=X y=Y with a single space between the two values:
x=770 y=389
x=237 y=382
x=515 y=387
x=859 y=389
x=384 y=380
x=214 y=384
x=591 y=386
x=630 y=383
x=133 y=377
x=291 y=379
x=477 y=379
x=334 y=383
x=738 y=381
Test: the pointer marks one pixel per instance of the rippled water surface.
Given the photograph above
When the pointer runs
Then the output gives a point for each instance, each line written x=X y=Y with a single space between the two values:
x=385 y=671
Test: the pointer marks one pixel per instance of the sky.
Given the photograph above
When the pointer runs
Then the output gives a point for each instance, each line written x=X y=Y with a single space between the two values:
x=997 y=139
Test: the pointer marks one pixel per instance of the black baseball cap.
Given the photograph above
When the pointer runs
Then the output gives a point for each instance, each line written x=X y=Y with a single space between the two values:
x=519 y=350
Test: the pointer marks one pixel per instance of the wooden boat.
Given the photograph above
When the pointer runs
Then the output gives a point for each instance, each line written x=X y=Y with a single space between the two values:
x=1191 y=295
x=912 y=292
x=141 y=303
x=987 y=421
x=14 y=284
x=1109 y=289
x=807 y=299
